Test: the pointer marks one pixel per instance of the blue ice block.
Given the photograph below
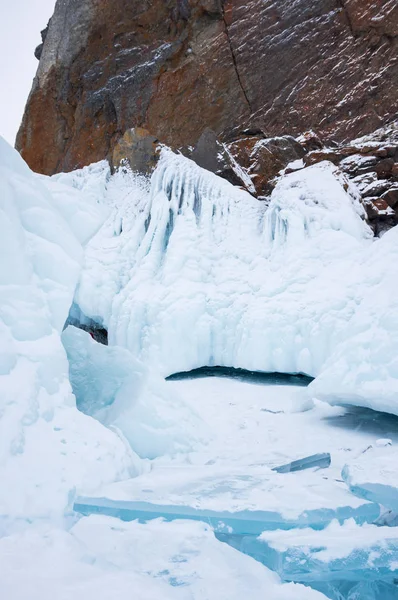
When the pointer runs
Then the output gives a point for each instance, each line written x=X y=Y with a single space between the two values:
x=321 y=461
x=243 y=522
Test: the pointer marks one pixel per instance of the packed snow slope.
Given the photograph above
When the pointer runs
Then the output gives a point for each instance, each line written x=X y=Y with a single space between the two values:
x=188 y=271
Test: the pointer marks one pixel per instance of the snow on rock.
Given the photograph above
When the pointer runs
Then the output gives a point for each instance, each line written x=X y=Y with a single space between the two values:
x=308 y=202
x=47 y=447
x=374 y=476
x=118 y=390
x=196 y=272
x=103 y=558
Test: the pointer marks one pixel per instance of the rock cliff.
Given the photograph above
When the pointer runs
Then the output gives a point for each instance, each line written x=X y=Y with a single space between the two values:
x=178 y=67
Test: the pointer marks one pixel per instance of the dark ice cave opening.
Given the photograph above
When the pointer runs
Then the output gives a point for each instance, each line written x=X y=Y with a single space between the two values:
x=257 y=377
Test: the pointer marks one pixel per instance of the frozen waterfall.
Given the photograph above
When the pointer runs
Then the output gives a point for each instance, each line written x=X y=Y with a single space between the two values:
x=193 y=271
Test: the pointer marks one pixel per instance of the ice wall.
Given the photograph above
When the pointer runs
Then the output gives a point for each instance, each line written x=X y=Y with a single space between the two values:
x=47 y=447
x=196 y=272
x=363 y=369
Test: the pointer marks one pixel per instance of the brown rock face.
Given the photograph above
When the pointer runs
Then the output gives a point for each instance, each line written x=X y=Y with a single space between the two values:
x=137 y=148
x=177 y=67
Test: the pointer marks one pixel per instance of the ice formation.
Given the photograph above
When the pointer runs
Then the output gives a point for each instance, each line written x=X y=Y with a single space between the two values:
x=190 y=271
x=374 y=475
x=186 y=271
x=196 y=272
x=48 y=448
x=335 y=552
x=241 y=498
x=364 y=558
x=115 y=388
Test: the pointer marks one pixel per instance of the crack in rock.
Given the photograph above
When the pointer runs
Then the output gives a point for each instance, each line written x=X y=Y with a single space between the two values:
x=234 y=61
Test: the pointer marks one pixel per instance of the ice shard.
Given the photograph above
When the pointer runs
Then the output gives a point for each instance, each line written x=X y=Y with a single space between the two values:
x=322 y=461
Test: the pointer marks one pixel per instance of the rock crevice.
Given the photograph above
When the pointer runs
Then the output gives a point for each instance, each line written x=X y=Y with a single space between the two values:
x=234 y=61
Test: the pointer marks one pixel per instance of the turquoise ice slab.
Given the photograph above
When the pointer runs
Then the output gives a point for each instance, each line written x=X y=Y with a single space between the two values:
x=373 y=476
x=374 y=563
x=320 y=461
x=252 y=522
x=386 y=495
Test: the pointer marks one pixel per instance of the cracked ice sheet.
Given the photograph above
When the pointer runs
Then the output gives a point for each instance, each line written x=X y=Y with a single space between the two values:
x=103 y=558
x=374 y=475
x=232 y=471
x=336 y=542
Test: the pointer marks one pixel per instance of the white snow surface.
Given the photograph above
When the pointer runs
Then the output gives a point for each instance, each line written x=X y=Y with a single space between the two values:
x=188 y=270
x=254 y=427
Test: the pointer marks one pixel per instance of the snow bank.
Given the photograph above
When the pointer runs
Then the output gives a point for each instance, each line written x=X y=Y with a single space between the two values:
x=47 y=447
x=118 y=390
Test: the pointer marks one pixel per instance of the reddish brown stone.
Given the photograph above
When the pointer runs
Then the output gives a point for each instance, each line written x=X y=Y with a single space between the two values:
x=391 y=198
x=312 y=158
x=377 y=208
x=137 y=148
x=384 y=168
x=263 y=159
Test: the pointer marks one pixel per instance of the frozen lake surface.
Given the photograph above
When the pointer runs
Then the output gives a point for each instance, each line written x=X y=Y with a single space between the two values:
x=257 y=422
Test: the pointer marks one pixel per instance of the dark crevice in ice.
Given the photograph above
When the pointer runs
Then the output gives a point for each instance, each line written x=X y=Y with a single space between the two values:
x=94 y=327
x=244 y=375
